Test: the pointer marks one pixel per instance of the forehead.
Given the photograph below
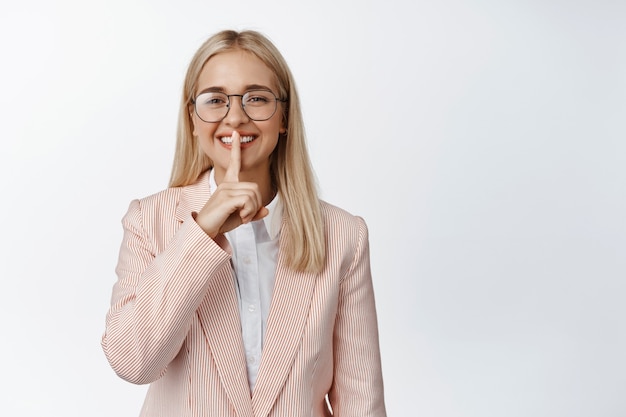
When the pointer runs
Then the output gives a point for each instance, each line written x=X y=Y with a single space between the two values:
x=233 y=71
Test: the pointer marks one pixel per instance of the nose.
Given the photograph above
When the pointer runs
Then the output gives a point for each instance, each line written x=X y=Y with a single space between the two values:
x=236 y=114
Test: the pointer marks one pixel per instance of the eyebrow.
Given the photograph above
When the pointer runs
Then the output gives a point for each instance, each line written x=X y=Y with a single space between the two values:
x=248 y=87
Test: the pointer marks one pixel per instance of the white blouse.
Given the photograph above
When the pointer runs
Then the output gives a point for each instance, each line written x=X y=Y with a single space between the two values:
x=255 y=251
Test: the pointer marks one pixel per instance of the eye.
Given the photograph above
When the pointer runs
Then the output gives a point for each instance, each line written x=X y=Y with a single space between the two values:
x=212 y=99
x=258 y=98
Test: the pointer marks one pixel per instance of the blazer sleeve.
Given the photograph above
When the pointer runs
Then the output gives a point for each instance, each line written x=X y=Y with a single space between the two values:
x=156 y=294
x=357 y=389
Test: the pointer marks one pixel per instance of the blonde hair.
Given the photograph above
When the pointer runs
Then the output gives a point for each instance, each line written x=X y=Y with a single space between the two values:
x=290 y=167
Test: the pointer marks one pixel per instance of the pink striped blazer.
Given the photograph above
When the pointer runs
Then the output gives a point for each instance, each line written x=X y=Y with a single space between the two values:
x=174 y=321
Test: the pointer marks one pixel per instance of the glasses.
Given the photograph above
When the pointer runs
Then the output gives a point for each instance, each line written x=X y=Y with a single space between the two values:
x=259 y=105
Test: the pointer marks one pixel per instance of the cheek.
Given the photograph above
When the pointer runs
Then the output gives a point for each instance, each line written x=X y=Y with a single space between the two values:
x=207 y=145
x=202 y=129
x=203 y=133
x=277 y=126
x=203 y=145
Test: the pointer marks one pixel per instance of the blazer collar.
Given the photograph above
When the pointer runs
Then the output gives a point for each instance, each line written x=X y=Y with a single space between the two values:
x=193 y=196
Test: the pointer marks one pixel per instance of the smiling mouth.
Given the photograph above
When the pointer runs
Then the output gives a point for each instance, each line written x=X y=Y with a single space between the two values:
x=227 y=140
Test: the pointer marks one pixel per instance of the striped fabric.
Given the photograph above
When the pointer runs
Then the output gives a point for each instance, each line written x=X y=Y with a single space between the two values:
x=174 y=321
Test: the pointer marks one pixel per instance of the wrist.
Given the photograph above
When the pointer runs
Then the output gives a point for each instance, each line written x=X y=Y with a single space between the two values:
x=212 y=233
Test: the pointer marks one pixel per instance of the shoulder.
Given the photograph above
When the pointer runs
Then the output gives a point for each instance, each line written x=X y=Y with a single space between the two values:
x=156 y=218
x=153 y=215
x=176 y=201
x=162 y=202
x=341 y=223
x=347 y=238
x=336 y=215
x=168 y=196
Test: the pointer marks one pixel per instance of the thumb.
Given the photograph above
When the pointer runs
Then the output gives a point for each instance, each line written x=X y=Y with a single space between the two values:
x=263 y=211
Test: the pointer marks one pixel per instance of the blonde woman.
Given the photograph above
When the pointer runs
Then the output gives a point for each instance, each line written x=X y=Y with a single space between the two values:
x=239 y=292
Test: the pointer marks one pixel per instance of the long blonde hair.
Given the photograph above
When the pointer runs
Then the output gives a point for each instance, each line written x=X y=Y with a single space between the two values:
x=290 y=167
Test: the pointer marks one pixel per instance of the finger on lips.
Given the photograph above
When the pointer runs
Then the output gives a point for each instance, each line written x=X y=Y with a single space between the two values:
x=234 y=165
x=244 y=197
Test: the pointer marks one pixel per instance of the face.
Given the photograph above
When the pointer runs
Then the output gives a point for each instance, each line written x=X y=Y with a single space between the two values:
x=237 y=72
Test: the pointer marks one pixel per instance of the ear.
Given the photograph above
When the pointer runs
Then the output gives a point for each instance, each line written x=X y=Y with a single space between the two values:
x=193 y=121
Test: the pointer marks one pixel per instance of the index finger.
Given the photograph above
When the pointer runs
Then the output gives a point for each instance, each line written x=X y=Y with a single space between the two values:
x=234 y=165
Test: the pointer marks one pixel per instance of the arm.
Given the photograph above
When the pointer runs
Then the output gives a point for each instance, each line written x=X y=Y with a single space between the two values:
x=357 y=389
x=156 y=296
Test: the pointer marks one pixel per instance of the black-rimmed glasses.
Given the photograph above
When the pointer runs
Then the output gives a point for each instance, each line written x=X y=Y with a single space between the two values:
x=259 y=105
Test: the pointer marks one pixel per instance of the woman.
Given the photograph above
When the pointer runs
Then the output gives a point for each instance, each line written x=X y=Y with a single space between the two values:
x=239 y=292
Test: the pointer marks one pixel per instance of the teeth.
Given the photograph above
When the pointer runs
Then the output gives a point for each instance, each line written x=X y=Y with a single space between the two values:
x=244 y=139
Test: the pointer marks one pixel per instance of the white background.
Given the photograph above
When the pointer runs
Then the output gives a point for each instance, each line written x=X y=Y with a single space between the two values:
x=484 y=142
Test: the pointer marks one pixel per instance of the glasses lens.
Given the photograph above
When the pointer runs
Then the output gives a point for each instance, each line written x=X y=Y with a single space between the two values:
x=212 y=107
x=259 y=104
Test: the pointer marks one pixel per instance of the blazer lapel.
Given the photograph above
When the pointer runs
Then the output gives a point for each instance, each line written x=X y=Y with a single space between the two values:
x=219 y=313
x=219 y=317
x=193 y=197
x=291 y=301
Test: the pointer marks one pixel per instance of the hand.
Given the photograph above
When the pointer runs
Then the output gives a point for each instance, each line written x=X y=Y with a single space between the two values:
x=233 y=203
